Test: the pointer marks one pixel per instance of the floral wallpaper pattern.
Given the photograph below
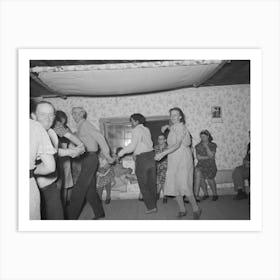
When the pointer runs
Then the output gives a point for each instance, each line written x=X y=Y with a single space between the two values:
x=231 y=136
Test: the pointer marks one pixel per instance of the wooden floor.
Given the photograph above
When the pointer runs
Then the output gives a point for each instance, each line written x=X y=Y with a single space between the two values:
x=224 y=209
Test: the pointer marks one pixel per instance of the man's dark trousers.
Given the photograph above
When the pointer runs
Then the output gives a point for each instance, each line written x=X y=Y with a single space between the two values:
x=51 y=204
x=146 y=176
x=85 y=188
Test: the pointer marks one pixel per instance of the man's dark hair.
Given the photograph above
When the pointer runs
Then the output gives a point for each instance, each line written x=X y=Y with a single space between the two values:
x=138 y=117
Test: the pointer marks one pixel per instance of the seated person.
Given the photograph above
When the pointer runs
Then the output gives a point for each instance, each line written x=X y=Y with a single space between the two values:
x=206 y=168
x=105 y=178
x=240 y=174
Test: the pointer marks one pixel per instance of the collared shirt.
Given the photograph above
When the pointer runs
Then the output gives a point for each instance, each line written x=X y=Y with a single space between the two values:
x=91 y=137
x=141 y=141
x=40 y=143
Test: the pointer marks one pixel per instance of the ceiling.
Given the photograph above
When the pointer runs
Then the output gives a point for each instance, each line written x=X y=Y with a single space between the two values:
x=119 y=77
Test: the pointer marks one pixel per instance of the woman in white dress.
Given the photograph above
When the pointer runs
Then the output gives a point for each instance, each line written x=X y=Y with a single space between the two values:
x=179 y=176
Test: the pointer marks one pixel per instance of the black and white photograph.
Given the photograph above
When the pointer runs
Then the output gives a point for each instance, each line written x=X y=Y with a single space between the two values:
x=150 y=132
x=133 y=140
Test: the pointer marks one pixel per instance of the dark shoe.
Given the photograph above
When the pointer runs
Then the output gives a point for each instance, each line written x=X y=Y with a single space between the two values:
x=186 y=201
x=164 y=200
x=151 y=211
x=241 y=195
x=197 y=214
x=215 y=197
x=108 y=200
x=98 y=217
x=197 y=199
x=205 y=197
x=182 y=214
x=140 y=199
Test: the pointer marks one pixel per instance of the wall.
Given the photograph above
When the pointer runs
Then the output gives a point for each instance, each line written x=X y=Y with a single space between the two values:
x=231 y=136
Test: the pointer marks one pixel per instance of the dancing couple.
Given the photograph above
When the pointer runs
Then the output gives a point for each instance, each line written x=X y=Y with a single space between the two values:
x=179 y=176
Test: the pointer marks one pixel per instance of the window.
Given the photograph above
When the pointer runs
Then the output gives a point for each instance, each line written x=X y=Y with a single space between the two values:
x=118 y=134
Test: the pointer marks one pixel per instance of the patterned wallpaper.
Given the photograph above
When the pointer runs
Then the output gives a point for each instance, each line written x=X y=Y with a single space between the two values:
x=231 y=135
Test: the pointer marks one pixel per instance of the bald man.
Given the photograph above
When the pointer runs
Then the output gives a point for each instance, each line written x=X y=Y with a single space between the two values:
x=44 y=113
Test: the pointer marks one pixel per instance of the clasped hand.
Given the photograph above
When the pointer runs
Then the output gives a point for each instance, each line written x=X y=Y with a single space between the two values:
x=77 y=151
x=158 y=157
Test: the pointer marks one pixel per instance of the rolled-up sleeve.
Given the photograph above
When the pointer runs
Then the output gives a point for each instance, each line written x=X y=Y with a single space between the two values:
x=131 y=147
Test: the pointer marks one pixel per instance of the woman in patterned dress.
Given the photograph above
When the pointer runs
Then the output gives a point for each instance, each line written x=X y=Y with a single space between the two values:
x=206 y=168
x=179 y=176
x=161 y=166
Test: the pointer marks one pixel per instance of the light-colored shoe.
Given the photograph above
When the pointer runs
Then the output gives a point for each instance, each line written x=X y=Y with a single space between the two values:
x=151 y=211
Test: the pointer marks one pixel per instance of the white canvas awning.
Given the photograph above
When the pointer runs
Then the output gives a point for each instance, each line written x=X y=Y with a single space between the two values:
x=125 y=78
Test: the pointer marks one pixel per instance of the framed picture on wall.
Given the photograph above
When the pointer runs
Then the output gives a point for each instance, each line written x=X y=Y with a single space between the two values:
x=216 y=114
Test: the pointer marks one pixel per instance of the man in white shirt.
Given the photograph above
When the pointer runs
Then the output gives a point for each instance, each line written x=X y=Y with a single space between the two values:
x=40 y=147
x=44 y=113
x=145 y=167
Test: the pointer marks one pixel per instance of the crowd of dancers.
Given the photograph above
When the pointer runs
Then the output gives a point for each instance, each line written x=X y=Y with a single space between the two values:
x=168 y=167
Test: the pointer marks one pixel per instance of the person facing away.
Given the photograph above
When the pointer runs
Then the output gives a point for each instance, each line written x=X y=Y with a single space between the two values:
x=85 y=187
x=142 y=148
x=179 y=175
x=206 y=168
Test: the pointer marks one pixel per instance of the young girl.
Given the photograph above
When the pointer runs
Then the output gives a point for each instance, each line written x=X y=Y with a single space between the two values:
x=105 y=178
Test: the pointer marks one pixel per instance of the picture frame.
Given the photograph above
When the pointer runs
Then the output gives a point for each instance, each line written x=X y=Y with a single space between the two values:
x=216 y=114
